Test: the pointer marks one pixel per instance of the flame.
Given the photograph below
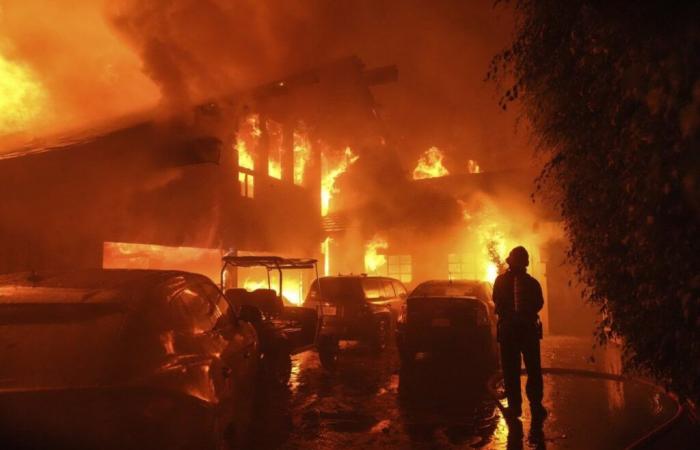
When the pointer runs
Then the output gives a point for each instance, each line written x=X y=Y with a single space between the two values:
x=373 y=260
x=302 y=154
x=489 y=234
x=274 y=169
x=22 y=97
x=126 y=255
x=328 y=189
x=291 y=288
x=430 y=165
x=247 y=139
x=326 y=250
x=275 y=140
x=473 y=166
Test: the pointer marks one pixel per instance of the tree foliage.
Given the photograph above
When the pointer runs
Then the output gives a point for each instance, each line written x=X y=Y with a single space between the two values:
x=611 y=90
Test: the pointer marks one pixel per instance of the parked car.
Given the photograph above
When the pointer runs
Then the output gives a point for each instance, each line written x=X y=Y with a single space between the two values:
x=355 y=307
x=122 y=359
x=449 y=318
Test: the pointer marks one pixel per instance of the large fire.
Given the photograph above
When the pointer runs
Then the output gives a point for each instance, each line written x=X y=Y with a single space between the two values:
x=489 y=235
x=247 y=140
x=430 y=165
x=302 y=154
x=292 y=287
x=275 y=135
x=330 y=174
x=374 y=261
x=22 y=97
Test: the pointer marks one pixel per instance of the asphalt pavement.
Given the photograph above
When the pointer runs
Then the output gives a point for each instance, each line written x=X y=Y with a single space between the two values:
x=367 y=402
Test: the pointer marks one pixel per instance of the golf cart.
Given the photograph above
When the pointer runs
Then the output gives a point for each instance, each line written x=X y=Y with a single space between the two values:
x=283 y=330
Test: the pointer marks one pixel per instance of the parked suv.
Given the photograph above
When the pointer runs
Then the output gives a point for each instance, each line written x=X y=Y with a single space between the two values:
x=355 y=307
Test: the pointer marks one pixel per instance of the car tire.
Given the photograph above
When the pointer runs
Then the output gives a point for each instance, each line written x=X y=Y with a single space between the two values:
x=328 y=352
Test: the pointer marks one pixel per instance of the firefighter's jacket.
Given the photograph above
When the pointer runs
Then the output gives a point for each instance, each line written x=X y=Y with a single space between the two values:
x=518 y=299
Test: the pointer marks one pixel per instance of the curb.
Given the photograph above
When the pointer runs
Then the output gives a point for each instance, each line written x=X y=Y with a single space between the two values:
x=638 y=443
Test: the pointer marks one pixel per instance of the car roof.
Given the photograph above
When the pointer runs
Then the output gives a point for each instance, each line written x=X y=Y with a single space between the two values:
x=452 y=282
x=87 y=285
x=359 y=277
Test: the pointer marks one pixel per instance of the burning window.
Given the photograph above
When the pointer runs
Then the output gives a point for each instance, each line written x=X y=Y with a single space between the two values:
x=247 y=184
x=247 y=141
x=302 y=153
x=275 y=141
x=400 y=267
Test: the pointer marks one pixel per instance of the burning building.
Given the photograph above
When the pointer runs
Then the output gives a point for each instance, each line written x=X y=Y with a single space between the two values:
x=176 y=189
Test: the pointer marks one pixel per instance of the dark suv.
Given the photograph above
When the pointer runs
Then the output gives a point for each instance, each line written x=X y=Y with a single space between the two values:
x=356 y=307
x=449 y=318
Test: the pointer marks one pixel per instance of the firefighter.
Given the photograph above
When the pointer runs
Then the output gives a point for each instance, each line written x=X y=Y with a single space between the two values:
x=518 y=299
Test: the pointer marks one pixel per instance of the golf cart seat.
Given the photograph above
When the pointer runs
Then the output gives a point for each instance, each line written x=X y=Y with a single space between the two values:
x=237 y=296
x=267 y=301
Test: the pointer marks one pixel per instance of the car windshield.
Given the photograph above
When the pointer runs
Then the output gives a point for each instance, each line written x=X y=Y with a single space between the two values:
x=338 y=289
x=448 y=289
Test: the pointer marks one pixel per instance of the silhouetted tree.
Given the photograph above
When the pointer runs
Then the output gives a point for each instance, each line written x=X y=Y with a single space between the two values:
x=611 y=90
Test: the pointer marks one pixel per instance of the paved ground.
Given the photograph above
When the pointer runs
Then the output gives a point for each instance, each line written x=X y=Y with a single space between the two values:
x=368 y=403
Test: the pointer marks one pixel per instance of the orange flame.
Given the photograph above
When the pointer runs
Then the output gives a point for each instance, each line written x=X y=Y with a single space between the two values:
x=302 y=154
x=430 y=165
x=473 y=166
x=247 y=140
x=328 y=189
x=22 y=97
x=373 y=260
x=291 y=288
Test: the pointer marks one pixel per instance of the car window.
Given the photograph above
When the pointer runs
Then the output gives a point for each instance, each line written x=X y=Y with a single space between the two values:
x=194 y=310
x=343 y=290
x=388 y=289
x=449 y=289
x=372 y=287
x=399 y=288
x=214 y=295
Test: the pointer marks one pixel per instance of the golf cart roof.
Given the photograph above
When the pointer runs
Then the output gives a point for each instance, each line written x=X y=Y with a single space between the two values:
x=271 y=262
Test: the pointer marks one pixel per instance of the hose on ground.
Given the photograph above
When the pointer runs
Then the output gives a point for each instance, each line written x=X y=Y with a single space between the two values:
x=639 y=443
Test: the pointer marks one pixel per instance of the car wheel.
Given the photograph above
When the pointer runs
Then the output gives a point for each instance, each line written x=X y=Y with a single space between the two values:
x=380 y=340
x=328 y=350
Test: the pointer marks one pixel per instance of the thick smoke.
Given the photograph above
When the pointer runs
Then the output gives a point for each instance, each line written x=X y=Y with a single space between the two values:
x=201 y=48
x=76 y=70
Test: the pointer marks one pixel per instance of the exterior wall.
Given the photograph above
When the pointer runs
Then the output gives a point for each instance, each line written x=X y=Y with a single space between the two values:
x=59 y=206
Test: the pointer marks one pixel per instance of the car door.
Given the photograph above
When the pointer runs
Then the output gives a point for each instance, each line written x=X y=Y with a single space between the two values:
x=401 y=295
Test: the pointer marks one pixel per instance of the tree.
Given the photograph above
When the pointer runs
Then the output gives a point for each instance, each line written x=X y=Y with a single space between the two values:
x=611 y=90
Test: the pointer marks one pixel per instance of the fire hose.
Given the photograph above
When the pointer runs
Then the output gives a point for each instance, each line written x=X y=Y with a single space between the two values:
x=639 y=442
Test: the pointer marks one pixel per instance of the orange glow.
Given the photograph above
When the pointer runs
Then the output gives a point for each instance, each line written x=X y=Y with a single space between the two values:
x=430 y=165
x=326 y=250
x=123 y=255
x=22 y=96
x=473 y=166
x=328 y=189
x=302 y=154
x=489 y=233
x=291 y=287
x=247 y=140
x=374 y=261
